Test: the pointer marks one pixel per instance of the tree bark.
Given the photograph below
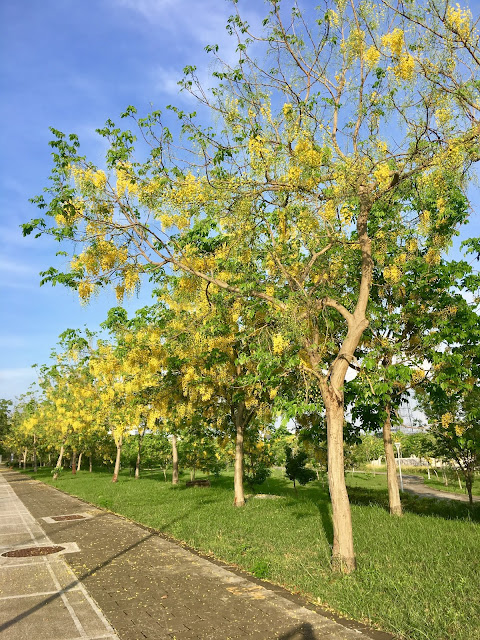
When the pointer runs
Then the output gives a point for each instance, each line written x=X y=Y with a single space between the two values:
x=34 y=453
x=343 y=556
x=139 y=455
x=392 y=481
x=116 y=471
x=25 y=459
x=74 y=461
x=239 y=500
x=469 y=485
x=79 y=463
x=59 y=462
x=90 y=465
x=174 y=460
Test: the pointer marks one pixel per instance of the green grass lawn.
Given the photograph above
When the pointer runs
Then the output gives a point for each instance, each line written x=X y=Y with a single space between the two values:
x=438 y=482
x=453 y=487
x=418 y=576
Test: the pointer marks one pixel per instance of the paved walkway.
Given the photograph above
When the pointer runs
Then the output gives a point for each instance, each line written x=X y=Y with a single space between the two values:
x=40 y=596
x=147 y=586
x=415 y=484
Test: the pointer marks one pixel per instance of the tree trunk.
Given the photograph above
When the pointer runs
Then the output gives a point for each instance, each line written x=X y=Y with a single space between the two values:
x=90 y=466
x=459 y=481
x=468 y=485
x=343 y=556
x=392 y=481
x=116 y=471
x=34 y=453
x=74 y=461
x=192 y=474
x=239 y=500
x=174 y=460
x=25 y=459
x=59 y=462
x=165 y=473
x=139 y=456
x=79 y=464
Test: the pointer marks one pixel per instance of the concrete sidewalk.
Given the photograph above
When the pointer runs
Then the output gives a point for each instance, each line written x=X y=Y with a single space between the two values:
x=40 y=596
x=147 y=586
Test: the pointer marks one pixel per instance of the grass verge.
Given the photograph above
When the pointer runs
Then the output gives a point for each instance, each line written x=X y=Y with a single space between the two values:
x=418 y=576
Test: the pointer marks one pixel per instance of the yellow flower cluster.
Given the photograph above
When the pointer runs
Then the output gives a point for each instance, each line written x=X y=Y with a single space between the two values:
x=432 y=257
x=405 y=67
x=382 y=176
x=394 y=42
x=258 y=151
x=306 y=153
x=188 y=190
x=85 y=290
x=371 y=56
x=279 y=343
x=124 y=181
x=459 y=430
x=85 y=178
x=417 y=376
x=392 y=274
x=447 y=420
x=459 y=20
x=411 y=245
x=329 y=211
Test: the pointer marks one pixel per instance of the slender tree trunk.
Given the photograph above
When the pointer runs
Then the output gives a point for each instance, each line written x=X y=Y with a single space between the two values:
x=59 y=462
x=90 y=466
x=116 y=471
x=459 y=481
x=49 y=459
x=74 y=461
x=79 y=464
x=392 y=481
x=192 y=474
x=34 y=453
x=239 y=500
x=343 y=556
x=25 y=459
x=468 y=485
x=139 y=455
x=174 y=460
x=165 y=473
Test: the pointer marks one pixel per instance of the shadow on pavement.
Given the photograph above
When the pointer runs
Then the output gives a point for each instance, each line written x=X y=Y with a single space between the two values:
x=304 y=630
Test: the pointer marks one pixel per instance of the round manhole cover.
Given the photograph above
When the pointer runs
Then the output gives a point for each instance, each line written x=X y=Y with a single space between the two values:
x=31 y=551
x=72 y=517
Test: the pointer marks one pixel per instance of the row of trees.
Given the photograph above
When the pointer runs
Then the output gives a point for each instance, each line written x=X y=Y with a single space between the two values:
x=303 y=226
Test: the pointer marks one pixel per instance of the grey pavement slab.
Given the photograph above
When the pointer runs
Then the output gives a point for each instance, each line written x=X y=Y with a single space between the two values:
x=40 y=596
x=149 y=587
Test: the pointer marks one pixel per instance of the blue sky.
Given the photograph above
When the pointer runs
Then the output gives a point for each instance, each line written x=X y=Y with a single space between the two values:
x=72 y=65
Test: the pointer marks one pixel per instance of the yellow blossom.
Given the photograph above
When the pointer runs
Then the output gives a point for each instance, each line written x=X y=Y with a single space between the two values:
x=371 y=56
x=459 y=20
x=394 y=42
x=279 y=343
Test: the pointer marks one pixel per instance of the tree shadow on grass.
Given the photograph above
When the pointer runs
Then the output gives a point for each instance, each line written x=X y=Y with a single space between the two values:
x=419 y=505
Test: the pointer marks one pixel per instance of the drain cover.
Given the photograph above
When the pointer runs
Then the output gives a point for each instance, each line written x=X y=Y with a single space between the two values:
x=72 y=517
x=31 y=551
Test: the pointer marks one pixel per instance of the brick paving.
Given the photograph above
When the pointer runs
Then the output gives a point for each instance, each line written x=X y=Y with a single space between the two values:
x=151 y=588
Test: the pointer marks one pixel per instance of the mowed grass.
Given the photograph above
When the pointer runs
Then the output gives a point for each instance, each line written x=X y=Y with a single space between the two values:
x=437 y=481
x=418 y=576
